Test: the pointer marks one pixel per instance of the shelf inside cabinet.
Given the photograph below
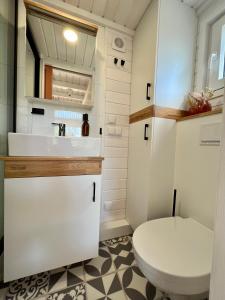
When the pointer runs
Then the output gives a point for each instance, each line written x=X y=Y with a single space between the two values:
x=65 y=102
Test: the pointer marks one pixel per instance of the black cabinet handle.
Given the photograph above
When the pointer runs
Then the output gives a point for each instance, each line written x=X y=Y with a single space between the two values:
x=148 y=91
x=94 y=187
x=145 y=134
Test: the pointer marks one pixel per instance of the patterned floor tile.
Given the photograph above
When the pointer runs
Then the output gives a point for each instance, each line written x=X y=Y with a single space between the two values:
x=29 y=287
x=106 y=287
x=122 y=239
x=136 y=286
x=102 y=245
x=76 y=292
x=66 y=276
x=122 y=253
x=99 y=266
x=113 y=275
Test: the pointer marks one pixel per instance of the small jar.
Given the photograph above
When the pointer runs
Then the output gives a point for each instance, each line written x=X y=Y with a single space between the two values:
x=85 y=125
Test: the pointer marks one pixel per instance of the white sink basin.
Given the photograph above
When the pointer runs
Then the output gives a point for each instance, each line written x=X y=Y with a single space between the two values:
x=39 y=145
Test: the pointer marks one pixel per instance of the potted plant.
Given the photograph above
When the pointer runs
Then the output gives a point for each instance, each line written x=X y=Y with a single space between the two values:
x=199 y=102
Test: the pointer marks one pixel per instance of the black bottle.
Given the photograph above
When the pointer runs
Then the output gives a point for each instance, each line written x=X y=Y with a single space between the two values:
x=85 y=125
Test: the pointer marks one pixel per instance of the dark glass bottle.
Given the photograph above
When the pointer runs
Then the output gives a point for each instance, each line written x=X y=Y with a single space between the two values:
x=85 y=125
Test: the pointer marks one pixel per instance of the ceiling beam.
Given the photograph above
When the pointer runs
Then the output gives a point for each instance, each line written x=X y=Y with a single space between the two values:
x=48 y=8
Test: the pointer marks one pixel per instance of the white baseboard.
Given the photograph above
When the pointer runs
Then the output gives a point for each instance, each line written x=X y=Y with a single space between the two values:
x=114 y=229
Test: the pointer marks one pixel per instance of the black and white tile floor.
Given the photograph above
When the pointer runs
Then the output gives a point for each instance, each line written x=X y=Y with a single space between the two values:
x=113 y=275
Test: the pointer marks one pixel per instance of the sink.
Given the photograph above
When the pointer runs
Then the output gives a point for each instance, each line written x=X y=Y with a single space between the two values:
x=39 y=145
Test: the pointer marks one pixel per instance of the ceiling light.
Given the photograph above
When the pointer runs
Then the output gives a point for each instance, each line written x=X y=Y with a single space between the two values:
x=70 y=35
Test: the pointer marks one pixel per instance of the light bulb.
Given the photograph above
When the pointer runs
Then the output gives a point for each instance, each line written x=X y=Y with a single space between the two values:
x=70 y=35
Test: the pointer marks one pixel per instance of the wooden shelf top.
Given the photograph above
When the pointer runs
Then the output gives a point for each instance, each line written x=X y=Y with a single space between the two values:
x=51 y=158
x=208 y=113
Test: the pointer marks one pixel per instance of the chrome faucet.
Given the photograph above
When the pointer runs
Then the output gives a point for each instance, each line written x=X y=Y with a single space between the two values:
x=62 y=128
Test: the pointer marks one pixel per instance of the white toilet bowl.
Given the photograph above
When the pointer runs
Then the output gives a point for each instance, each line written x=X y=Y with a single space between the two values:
x=175 y=254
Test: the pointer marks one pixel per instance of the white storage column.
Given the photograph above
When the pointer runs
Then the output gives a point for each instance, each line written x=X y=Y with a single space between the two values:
x=139 y=172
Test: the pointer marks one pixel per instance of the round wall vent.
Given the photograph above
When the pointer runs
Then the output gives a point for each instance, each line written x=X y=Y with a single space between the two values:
x=119 y=44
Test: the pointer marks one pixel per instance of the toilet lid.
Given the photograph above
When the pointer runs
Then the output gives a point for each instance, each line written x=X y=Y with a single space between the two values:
x=175 y=246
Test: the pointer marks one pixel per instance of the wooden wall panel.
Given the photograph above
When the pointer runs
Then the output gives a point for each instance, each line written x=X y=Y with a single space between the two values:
x=48 y=82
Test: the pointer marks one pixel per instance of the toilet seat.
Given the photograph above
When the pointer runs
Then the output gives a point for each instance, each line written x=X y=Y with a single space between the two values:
x=175 y=254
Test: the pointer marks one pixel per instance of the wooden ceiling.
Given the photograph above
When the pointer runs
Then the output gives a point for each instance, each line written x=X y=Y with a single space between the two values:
x=49 y=39
x=127 y=13
x=49 y=35
x=124 y=12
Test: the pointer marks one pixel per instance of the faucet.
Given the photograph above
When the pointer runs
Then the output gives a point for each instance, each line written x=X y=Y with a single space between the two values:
x=62 y=128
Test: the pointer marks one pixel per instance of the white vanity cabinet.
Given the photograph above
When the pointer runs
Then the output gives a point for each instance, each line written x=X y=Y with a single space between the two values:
x=50 y=222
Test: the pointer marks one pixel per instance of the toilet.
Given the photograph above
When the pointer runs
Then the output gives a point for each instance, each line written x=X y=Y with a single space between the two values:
x=175 y=255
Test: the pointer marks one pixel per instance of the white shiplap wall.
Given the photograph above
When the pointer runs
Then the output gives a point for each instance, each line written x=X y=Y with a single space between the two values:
x=117 y=110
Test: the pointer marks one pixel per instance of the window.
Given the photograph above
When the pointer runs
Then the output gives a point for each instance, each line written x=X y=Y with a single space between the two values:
x=216 y=54
x=72 y=119
x=222 y=55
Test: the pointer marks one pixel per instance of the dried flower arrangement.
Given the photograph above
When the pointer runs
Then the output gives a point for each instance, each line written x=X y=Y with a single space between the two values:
x=199 y=102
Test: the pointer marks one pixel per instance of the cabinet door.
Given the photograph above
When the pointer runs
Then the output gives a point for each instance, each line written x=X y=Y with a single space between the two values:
x=144 y=59
x=139 y=172
x=50 y=222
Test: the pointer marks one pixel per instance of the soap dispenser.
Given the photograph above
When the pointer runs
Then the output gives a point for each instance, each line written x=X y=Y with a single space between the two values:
x=85 y=125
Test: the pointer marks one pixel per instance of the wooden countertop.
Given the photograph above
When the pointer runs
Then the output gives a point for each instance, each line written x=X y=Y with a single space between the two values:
x=48 y=166
x=51 y=158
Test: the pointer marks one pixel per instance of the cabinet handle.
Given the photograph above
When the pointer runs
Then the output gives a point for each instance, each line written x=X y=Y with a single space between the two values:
x=148 y=91
x=94 y=187
x=145 y=134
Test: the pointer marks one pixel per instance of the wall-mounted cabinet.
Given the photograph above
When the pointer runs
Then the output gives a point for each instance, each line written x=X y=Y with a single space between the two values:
x=144 y=60
x=163 y=55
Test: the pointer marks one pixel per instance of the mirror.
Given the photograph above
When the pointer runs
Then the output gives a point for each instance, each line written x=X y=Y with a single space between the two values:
x=60 y=60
